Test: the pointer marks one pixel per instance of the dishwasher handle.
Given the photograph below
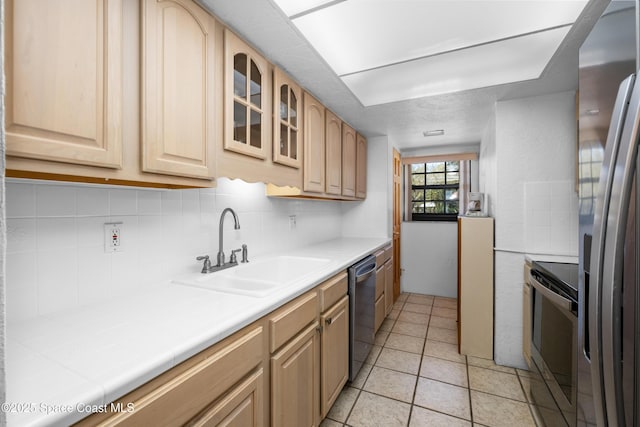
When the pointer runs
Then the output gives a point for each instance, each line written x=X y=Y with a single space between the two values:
x=362 y=276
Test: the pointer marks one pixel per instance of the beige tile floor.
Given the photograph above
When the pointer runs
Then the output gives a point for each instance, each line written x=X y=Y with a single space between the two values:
x=415 y=377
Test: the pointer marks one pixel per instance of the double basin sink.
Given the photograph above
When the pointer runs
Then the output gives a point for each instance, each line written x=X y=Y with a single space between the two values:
x=257 y=278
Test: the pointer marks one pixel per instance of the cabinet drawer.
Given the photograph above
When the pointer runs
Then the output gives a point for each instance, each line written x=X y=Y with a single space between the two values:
x=379 y=316
x=388 y=286
x=388 y=251
x=242 y=406
x=380 y=279
x=332 y=290
x=179 y=398
x=287 y=321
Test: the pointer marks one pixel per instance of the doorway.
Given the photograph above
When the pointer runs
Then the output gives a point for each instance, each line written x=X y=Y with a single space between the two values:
x=397 y=221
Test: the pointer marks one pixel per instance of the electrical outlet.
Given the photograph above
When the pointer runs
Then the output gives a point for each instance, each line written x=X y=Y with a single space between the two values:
x=113 y=237
x=292 y=222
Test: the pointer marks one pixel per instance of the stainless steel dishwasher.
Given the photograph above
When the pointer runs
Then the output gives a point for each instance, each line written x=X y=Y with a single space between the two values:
x=362 y=294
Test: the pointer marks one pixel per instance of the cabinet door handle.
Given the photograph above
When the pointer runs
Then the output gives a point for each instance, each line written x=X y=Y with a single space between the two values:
x=329 y=320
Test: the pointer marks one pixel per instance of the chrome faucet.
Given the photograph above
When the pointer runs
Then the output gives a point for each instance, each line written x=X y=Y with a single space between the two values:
x=207 y=267
x=236 y=226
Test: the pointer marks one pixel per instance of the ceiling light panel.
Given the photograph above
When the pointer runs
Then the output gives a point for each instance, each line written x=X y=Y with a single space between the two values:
x=512 y=60
x=356 y=35
x=296 y=7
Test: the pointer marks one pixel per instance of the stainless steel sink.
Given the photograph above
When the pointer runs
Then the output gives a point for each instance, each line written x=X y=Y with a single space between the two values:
x=258 y=278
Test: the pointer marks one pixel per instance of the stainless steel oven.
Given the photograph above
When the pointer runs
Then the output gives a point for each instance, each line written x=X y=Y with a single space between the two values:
x=554 y=341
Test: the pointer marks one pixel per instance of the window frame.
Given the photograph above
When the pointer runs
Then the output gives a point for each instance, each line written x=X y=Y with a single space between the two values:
x=415 y=216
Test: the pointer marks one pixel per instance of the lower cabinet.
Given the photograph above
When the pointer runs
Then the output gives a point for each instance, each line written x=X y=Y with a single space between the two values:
x=286 y=369
x=384 y=285
x=310 y=354
x=222 y=382
x=388 y=286
x=379 y=312
x=295 y=381
x=335 y=353
x=242 y=407
x=379 y=295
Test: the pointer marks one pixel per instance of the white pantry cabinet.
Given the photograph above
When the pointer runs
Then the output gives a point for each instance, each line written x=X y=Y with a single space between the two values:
x=475 y=286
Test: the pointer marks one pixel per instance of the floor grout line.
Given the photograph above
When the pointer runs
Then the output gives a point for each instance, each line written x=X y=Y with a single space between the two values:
x=466 y=360
x=383 y=344
x=415 y=386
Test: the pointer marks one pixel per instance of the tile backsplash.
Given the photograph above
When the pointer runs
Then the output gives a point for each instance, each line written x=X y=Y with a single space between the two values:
x=551 y=217
x=55 y=236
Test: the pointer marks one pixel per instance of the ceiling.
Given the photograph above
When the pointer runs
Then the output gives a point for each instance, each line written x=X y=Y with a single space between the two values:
x=383 y=89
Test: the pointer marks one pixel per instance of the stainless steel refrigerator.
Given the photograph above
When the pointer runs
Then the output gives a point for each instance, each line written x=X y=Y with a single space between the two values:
x=609 y=308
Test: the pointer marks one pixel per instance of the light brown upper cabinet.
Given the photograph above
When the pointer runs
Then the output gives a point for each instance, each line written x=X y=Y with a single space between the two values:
x=63 y=65
x=361 y=166
x=314 y=145
x=287 y=120
x=246 y=79
x=178 y=102
x=333 y=142
x=348 y=161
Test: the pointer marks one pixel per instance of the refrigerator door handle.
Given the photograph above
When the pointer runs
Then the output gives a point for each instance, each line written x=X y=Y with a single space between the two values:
x=618 y=130
x=613 y=265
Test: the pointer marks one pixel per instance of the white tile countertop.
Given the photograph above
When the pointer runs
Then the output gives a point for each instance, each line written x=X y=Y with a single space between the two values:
x=62 y=367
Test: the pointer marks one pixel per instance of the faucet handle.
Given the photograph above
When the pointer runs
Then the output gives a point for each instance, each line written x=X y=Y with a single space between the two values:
x=234 y=258
x=207 y=263
x=245 y=254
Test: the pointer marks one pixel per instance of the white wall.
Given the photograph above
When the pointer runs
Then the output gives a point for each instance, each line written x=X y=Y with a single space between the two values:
x=535 y=157
x=55 y=254
x=527 y=168
x=430 y=249
x=488 y=165
x=430 y=258
x=372 y=217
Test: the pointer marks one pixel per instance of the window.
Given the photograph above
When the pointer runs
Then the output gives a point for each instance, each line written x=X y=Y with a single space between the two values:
x=436 y=187
x=434 y=190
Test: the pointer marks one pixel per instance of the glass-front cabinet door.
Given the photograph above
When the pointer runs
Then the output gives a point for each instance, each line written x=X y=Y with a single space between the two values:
x=287 y=120
x=246 y=98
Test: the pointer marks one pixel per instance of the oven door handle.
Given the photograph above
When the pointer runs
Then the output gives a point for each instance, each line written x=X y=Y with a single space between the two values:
x=558 y=300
